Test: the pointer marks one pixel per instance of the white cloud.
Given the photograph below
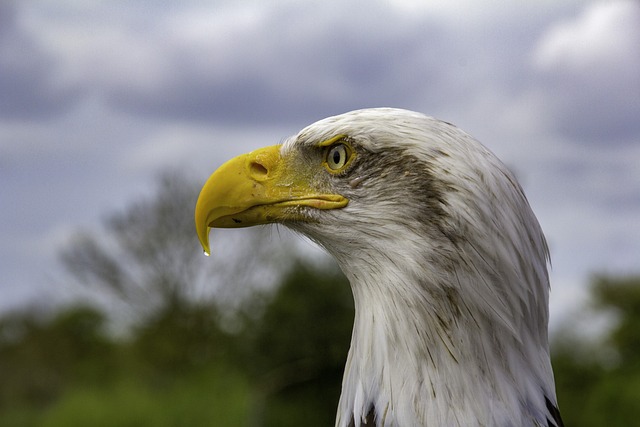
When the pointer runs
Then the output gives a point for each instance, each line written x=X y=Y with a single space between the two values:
x=197 y=148
x=586 y=74
x=190 y=84
x=605 y=34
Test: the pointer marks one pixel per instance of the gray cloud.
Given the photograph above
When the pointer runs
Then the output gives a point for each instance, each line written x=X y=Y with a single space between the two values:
x=28 y=85
x=588 y=72
x=271 y=74
x=94 y=96
x=287 y=64
x=291 y=64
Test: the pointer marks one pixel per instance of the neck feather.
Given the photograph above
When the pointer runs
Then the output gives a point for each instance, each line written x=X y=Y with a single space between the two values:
x=423 y=355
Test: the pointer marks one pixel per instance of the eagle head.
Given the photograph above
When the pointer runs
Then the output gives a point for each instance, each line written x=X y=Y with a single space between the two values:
x=446 y=261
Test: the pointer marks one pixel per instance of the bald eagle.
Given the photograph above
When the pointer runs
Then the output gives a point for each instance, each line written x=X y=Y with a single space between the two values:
x=446 y=261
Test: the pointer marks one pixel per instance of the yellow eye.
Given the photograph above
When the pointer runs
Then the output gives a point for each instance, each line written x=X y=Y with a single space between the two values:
x=337 y=157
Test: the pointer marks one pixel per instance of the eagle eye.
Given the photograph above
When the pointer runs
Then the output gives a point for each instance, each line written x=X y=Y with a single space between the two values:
x=337 y=157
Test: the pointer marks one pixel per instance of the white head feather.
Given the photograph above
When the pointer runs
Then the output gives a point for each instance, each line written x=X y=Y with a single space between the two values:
x=448 y=268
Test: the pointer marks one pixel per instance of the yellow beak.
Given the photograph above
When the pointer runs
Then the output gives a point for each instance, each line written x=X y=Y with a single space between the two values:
x=257 y=188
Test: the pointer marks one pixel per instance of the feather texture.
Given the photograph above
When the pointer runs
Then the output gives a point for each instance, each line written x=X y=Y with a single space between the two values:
x=448 y=268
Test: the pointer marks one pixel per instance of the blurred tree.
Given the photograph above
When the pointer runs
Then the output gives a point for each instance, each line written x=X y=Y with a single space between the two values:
x=622 y=295
x=148 y=258
x=40 y=357
x=148 y=261
x=598 y=382
x=147 y=255
x=181 y=339
x=297 y=348
x=201 y=333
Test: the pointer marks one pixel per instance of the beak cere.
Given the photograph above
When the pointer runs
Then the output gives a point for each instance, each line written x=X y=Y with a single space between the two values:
x=256 y=188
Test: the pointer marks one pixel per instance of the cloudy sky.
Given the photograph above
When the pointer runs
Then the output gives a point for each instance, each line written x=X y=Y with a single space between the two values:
x=96 y=97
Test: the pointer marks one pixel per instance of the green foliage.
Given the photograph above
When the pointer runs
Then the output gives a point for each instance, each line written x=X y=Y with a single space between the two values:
x=594 y=393
x=277 y=362
x=211 y=398
x=283 y=360
x=299 y=346
x=126 y=406
x=622 y=295
x=179 y=367
x=40 y=357
x=180 y=338
x=576 y=375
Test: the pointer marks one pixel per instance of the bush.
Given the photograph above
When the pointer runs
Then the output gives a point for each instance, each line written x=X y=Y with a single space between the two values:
x=216 y=398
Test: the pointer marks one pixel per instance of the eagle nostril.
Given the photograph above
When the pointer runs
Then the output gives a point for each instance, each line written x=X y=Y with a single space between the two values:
x=258 y=170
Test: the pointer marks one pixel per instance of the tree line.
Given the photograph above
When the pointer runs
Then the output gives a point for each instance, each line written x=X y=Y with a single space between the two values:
x=255 y=337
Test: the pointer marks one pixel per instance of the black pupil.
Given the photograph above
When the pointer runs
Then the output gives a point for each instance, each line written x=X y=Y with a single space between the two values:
x=336 y=156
